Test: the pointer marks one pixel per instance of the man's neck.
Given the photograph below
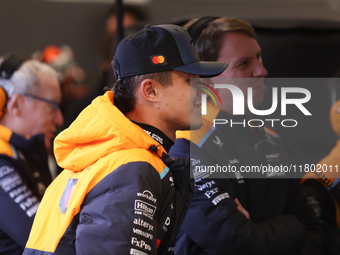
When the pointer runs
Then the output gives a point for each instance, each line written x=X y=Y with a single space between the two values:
x=153 y=120
x=156 y=134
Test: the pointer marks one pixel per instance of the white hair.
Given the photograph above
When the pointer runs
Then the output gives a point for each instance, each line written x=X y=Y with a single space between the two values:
x=26 y=78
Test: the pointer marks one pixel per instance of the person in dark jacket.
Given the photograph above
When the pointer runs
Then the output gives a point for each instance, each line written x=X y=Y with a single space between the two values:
x=240 y=215
x=119 y=192
x=322 y=188
x=30 y=96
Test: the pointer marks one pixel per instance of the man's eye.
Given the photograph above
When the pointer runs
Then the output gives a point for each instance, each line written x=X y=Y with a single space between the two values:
x=244 y=63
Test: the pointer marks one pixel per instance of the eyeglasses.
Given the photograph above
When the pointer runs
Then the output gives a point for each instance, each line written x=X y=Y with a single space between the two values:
x=54 y=103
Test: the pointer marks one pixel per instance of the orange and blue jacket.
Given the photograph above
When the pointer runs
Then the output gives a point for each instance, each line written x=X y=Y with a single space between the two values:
x=24 y=175
x=120 y=193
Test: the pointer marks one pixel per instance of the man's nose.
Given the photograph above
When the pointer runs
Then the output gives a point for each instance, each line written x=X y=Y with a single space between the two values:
x=260 y=71
x=58 y=119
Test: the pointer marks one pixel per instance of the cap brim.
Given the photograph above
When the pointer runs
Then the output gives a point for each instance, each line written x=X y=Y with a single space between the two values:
x=204 y=69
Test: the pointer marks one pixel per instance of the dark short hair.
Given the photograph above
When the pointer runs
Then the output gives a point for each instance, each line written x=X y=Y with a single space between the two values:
x=125 y=89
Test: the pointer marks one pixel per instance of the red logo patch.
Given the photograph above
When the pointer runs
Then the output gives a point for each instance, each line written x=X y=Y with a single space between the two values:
x=158 y=60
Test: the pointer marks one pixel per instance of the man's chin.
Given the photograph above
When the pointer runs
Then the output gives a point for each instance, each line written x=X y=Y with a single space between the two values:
x=258 y=100
x=48 y=145
x=195 y=126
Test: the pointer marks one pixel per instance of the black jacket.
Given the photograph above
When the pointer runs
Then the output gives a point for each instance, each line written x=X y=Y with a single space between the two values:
x=24 y=176
x=280 y=222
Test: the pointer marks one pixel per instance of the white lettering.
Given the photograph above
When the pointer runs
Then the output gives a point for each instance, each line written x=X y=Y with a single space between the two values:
x=143 y=223
x=140 y=244
x=145 y=207
x=142 y=233
x=297 y=102
x=211 y=192
x=148 y=195
x=261 y=112
x=219 y=198
x=238 y=101
x=292 y=120
x=5 y=170
x=137 y=252
x=238 y=123
x=167 y=221
x=205 y=185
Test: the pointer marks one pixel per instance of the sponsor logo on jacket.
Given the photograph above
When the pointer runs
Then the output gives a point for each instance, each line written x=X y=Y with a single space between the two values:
x=195 y=162
x=219 y=198
x=143 y=223
x=205 y=185
x=11 y=182
x=140 y=243
x=272 y=157
x=148 y=195
x=145 y=208
x=142 y=233
x=67 y=195
x=137 y=252
x=234 y=161
x=218 y=141
x=210 y=193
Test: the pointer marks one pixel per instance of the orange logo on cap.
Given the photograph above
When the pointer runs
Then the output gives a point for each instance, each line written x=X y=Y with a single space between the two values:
x=159 y=59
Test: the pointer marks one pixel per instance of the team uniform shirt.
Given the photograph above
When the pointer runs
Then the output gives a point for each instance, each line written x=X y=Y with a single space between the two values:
x=24 y=176
x=120 y=192
x=279 y=223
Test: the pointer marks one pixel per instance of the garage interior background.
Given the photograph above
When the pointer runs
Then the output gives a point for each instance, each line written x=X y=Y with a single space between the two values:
x=299 y=38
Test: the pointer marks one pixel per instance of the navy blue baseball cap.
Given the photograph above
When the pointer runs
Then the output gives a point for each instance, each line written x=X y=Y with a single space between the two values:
x=160 y=48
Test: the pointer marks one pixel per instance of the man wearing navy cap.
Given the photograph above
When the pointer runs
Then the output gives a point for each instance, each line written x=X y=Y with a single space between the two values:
x=120 y=192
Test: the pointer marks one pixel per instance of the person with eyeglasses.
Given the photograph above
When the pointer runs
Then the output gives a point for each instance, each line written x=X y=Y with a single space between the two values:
x=29 y=113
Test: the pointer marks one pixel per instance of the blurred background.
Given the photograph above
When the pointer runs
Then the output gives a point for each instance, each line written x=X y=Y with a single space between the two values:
x=28 y=25
x=299 y=39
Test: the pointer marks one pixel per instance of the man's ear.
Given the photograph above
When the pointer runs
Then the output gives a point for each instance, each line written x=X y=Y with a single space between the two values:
x=149 y=90
x=15 y=105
